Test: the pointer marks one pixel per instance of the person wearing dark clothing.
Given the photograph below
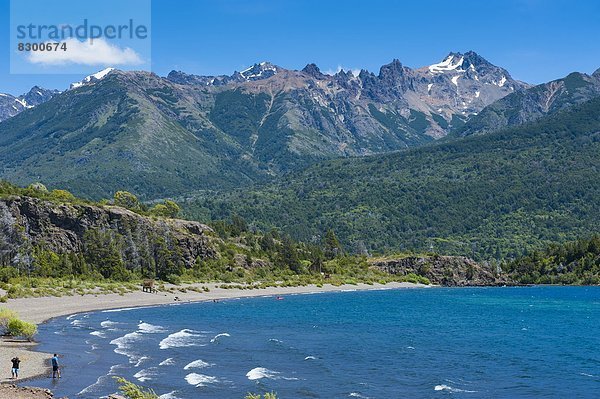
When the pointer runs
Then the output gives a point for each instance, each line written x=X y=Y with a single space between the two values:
x=55 y=367
x=15 y=366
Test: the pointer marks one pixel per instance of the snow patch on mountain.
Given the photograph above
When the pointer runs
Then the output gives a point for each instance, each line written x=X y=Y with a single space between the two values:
x=451 y=63
x=92 y=78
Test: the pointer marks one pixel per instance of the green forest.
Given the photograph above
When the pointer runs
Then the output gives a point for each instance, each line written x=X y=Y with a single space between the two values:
x=494 y=196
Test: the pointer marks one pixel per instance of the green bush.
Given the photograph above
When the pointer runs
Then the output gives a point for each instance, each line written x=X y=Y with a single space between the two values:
x=132 y=391
x=5 y=316
x=6 y=273
x=20 y=328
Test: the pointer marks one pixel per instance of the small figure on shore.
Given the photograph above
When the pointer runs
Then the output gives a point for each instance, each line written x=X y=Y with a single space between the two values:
x=15 y=366
x=55 y=367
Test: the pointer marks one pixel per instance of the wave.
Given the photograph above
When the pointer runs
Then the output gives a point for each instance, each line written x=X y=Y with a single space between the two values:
x=125 y=343
x=310 y=358
x=91 y=388
x=200 y=380
x=170 y=395
x=146 y=374
x=141 y=360
x=448 y=388
x=180 y=339
x=259 y=373
x=148 y=328
x=218 y=336
x=77 y=323
x=125 y=309
x=357 y=395
x=109 y=324
x=98 y=334
x=167 y=362
x=197 y=364
x=276 y=341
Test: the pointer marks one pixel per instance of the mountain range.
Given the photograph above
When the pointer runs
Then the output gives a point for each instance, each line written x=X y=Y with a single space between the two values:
x=456 y=156
x=163 y=136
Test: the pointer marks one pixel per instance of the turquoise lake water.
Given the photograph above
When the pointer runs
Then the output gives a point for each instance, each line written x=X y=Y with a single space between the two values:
x=521 y=342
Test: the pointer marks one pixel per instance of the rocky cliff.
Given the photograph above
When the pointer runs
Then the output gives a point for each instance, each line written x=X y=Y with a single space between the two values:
x=451 y=271
x=27 y=222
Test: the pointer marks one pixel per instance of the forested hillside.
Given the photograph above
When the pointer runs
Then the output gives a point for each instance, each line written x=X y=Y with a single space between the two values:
x=491 y=196
x=575 y=262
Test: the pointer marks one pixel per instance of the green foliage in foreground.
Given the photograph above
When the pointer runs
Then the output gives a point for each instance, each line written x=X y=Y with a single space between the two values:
x=576 y=262
x=132 y=391
x=492 y=196
x=268 y=395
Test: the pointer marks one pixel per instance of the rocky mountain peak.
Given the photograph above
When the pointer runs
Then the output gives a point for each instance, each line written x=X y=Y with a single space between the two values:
x=391 y=70
x=597 y=73
x=313 y=70
x=260 y=71
x=38 y=95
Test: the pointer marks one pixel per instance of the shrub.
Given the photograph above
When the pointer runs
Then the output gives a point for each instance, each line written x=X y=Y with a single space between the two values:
x=6 y=273
x=20 y=328
x=173 y=279
x=5 y=316
x=132 y=391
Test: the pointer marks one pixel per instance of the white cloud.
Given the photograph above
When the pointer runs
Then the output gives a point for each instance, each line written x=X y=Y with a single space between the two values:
x=89 y=52
x=355 y=71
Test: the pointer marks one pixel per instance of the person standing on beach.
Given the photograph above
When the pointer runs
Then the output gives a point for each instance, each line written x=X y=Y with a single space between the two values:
x=15 y=366
x=55 y=367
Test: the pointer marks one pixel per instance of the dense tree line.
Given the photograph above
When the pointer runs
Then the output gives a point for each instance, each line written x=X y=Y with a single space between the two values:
x=574 y=262
x=492 y=196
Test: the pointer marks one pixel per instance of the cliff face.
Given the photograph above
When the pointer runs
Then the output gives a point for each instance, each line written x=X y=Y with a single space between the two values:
x=451 y=271
x=27 y=222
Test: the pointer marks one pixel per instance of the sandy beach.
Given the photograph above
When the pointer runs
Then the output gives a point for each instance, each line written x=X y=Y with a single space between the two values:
x=38 y=310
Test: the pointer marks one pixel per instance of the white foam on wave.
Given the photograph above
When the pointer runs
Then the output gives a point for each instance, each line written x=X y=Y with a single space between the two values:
x=357 y=395
x=448 y=388
x=170 y=395
x=146 y=374
x=197 y=364
x=200 y=380
x=167 y=362
x=141 y=360
x=91 y=388
x=259 y=373
x=125 y=343
x=276 y=341
x=181 y=339
x=125 y=309
x=148 y=328
x=109 y=324
x=310 y=358
x=99 y=334
x=77 y=323
x=587 y=375
x=219 y=336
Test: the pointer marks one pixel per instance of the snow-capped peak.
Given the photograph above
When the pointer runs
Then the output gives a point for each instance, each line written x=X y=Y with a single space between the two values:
x=451 y=63
x=262 y=70
x=92 y=78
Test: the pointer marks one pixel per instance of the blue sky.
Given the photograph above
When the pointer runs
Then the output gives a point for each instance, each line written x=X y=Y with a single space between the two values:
x=535 y=40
